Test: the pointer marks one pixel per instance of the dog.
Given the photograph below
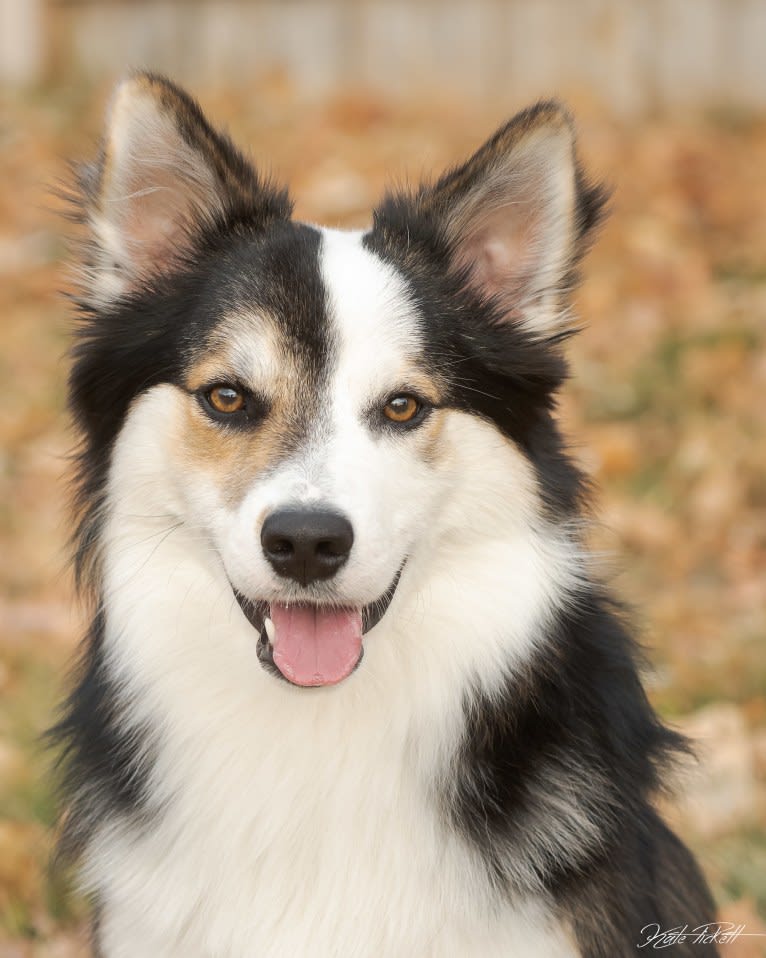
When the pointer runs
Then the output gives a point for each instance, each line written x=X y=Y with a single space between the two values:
x=351 y=685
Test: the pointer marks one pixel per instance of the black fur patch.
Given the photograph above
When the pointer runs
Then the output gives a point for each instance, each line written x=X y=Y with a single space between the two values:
x=494 y=370
x=646 y=880
x=103 y=763
x=555 y=780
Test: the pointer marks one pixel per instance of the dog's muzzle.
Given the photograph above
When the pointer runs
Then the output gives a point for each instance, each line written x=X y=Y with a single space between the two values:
x=309 y=644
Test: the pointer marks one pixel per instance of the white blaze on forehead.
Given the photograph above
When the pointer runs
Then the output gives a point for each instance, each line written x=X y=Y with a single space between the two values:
x=372 y=314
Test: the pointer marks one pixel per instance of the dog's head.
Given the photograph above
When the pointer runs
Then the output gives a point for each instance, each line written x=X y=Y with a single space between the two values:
x=323 y=413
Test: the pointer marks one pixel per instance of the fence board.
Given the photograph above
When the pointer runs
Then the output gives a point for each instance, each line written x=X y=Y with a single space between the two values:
x=634 y=55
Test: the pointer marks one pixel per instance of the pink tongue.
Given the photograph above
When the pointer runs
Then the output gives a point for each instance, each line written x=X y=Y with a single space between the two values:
x=315 y=646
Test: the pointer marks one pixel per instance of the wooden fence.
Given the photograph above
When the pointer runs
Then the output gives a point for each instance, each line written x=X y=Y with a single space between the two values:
x=634 y=55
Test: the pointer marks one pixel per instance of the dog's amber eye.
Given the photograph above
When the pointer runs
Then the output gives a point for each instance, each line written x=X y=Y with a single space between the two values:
x=226 y=399
x=401 y=408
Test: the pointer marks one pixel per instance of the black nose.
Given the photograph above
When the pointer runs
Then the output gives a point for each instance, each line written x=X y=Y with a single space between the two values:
x=306 y=545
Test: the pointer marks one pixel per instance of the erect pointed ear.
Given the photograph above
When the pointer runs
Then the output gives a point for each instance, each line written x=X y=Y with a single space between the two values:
x=163 y=176
x=513 y=219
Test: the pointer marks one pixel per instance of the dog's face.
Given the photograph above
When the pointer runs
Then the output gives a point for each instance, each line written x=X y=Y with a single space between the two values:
x=307 y=441
x=325 y=410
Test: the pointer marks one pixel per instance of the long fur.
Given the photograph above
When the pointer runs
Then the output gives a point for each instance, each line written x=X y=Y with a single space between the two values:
x=483 y=783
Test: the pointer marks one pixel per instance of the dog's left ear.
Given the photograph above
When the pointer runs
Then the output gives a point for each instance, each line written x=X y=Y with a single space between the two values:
x=512 y=220
x=164 y=177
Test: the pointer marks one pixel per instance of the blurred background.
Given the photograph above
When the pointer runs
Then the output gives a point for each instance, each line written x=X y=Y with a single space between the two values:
x=667 y=401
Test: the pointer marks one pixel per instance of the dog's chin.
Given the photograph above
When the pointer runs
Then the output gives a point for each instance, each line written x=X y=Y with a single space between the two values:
x=310 y=644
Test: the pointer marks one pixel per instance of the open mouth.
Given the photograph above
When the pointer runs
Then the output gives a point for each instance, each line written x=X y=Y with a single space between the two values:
x=309 y=644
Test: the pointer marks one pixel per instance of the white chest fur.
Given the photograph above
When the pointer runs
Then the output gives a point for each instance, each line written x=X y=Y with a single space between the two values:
x=317 y=837
x=315 y=844
x=287 y=821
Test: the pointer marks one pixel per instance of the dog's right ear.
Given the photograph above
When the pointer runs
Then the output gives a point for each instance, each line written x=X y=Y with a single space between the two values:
x=164 y=176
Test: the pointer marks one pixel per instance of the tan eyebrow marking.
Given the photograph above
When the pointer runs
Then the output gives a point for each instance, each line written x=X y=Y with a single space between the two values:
x=247 y=349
